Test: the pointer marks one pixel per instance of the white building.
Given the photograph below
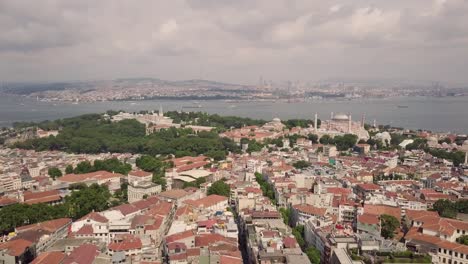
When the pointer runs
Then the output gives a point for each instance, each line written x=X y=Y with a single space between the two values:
x=142 y=190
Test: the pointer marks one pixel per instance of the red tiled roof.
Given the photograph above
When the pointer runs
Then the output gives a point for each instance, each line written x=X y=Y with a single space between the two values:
x=192 y=252
x=368 y=219
x=42 y=197
x=53 y=257
x=140 y=173
x=207 y=201
x=96 y=217
x=311 y=210
x=289 y=242
x=339 y=191
x=50 y=226
x=16 y=247
x=208 y=239
x=179 y=256
x=369 y=186
x=382 y=209
x=84 y=254
x=126 y=209
x=175 y=245
x=174 y=194
x=125 y=242
x=85 y=230
x=4 y=201
x=98 y=175
x=180 y=236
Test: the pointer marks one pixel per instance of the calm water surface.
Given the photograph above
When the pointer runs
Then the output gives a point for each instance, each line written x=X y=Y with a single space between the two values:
x=438 y=114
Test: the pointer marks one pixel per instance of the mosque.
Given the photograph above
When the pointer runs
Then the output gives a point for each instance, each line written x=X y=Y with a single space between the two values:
x=341 y=124
x=153 y=121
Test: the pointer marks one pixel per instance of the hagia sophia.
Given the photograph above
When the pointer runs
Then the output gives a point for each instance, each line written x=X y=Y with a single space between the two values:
x=341 y=124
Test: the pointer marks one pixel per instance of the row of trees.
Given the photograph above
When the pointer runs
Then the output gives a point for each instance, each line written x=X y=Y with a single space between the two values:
x=298 y=232
x=342 y=143
x=205 y=119
x=447 y=208
x=92 y=134
x=76 y=205
x=267 y=190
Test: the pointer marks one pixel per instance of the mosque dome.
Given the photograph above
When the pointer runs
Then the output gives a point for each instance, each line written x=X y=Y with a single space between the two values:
x=276 y=120
x=341 y=117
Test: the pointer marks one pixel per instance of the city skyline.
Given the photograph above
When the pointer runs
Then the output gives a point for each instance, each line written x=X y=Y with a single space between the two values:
x=234 y=42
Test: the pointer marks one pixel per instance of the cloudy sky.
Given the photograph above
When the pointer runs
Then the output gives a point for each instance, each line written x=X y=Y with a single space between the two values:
x=234 y=40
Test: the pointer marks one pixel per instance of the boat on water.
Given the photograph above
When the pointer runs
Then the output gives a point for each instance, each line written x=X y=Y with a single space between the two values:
x=402 y=106
x=193 y=105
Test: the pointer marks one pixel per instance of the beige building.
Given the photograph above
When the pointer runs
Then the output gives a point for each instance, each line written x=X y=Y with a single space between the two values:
x=10 y=182
x=141 y=190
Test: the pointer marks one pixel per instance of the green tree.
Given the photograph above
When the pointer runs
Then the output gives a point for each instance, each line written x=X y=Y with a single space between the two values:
x=345 y=142
x=286 y=214
x=313 y=138
x=54 y=172
x=313 y=254
x=445 y=208
x=94 y=197
x=220 y=188
x=389 y=225
x=83 y=167
x=326 y=140
x=160 y=180
x=463 y=240
x=298 y=232
x=301 y=164
x=69 y=169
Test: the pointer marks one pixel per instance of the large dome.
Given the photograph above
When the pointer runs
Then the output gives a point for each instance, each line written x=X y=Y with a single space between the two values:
x=341 y=117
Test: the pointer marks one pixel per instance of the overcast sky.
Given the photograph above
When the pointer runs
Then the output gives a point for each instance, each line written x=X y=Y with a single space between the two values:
x=234 y=40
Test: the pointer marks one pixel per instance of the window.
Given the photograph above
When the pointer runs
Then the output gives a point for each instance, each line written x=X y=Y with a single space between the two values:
x=456 y=254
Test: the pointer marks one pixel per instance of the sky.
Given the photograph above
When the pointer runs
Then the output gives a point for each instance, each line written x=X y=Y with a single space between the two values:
x=234 y=41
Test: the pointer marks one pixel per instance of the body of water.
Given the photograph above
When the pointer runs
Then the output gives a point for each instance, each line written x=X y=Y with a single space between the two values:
x=437 y=114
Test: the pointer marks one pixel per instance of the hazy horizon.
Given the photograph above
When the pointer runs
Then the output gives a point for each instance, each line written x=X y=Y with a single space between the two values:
x=234 y=41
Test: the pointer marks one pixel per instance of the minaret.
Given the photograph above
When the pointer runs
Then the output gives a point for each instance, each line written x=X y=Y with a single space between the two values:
x=315 y=123
x=363 y=120
x=466 y=158
x=161 y=111
x=332 y=115
x=349 y=123
x=375 y=124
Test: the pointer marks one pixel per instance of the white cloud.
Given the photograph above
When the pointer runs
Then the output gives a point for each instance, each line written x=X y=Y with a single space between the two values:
x=232 y=40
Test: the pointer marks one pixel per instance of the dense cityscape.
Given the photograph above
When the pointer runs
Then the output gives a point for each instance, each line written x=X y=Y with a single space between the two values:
x=233 y=132
x=149 y=88
x=189 y=187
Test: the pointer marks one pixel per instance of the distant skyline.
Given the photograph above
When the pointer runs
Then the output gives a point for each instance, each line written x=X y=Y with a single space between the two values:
x=234 y=41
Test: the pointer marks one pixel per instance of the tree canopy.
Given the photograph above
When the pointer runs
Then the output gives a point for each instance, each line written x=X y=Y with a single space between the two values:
x=110 y=165
x=93 y=134
x=220 y=188
x=54 y=172
x=76 y=205
x=301 y=164
x=447 y=208
x=389 y=225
